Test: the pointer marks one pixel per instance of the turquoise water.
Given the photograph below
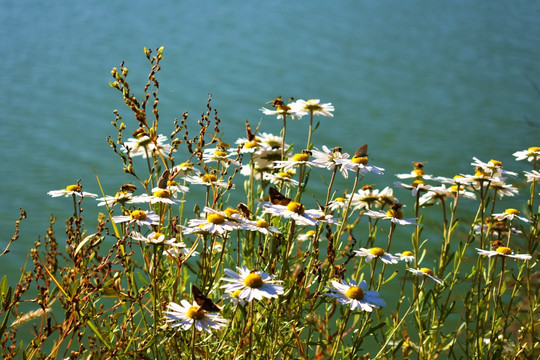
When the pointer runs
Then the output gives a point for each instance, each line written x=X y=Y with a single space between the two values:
x=417 y=80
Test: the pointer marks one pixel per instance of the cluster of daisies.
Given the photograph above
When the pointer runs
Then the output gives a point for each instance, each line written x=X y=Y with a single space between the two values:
x=269 y=162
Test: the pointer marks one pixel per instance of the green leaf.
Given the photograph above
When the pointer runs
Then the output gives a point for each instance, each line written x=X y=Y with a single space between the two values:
x=84 y=242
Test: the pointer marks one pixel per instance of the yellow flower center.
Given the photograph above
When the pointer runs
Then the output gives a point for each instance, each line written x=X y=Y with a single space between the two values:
x=296 y=207
x=161 y=193
x=285 y=175
x=377 y=251
x=301 y=157
x=339 y=199
x=417 y=183
x=481 y=173
x=512 y=211
x=534 y=149
x=76 y=188
x=310 y=233
x=458 y=177
x=394 y=213
x=195 y=313
x=215 y=218
x=230 y=211
x=138 y=215
x=504 y=250
x=407 y=253
x=236 y=293
x=355 y=292
x=253 y=280
x=157 y=235
x=262 y=224
x=220 y=153
x=186 y=165
x=419 y=172
x=496 y=163
x=250 y=145
x=362 y=160
x=209 y=178
x=172 y=183
x=427 y=271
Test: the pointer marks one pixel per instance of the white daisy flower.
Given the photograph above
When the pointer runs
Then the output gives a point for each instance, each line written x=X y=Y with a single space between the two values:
x=186 y=315
x=174 y=188
x=438 y=193
x=261 y=226
x=143 y=146
x=284 y=110
x=160 y=196
x=213 y=223
x=494 y=167
x=281 y=178
x=229 y=213
x=394 y=214
x=121 y=197
x=480 y=176
x=312 y=106
x=532 y=175
x=376 y=253
x=414 y=175
x=70 y=191
x=356 y=295
x=206 y=180
x=530 y=154
x=504 y=251
x=258 y=172
x=358 y=163
x=140 y=217
x=234 y=297
x=271 y=142
x=386 y=197
x=253 y=284
x=458 y=180
x=297 y=160
x=337 y=204
x=426 y=273
x=407 y=256
x=294 y=211
x=418 y=172
x=502 y=188
x=364 y=198
x=220 y=155
x=155 y=238
x=416 y=186
x=185 y=168
x=328 y=159
x=509 y=214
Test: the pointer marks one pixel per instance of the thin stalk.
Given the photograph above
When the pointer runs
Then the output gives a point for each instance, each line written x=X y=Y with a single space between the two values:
x=310 y=128
x=383 y=350
x=497 y=300
x=340 y=334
